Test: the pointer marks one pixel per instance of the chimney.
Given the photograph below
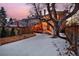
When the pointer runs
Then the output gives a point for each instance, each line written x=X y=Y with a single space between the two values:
x=40 y=13
x=17 y=23
x=44 y=12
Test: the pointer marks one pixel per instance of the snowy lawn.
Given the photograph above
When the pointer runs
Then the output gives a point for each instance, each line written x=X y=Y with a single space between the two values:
x=39 y=45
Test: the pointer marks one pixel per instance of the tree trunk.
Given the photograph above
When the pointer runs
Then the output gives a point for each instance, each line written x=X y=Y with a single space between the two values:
x=56 y=29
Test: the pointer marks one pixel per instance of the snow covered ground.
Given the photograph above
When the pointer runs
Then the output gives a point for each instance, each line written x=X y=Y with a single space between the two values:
x=39 y=45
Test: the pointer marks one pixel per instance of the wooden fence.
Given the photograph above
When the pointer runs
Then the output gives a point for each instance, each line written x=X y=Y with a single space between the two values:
x=72 y=33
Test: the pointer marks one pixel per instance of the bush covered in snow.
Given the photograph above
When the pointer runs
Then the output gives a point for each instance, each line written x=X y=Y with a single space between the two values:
x=72 y=21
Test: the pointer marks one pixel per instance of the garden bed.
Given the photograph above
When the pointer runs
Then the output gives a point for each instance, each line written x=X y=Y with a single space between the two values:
x=15 y=38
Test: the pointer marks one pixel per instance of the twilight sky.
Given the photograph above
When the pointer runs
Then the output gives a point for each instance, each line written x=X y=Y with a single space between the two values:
x=21 y=10
x=16 y=10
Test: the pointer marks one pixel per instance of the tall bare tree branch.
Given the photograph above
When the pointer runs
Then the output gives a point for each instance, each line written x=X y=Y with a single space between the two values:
x=76 y=8
x=50 y=14
x=35 y=8
x=54 y=10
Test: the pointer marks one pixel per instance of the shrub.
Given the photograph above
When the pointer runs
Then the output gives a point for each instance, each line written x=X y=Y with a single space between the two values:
x=72 y=21
x=12 y=32
x=3 y=32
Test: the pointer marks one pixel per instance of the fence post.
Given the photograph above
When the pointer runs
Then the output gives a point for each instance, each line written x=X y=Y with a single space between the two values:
x=76 y=37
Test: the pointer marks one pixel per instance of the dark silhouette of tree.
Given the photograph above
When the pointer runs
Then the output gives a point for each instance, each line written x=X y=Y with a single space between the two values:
x=3 y=21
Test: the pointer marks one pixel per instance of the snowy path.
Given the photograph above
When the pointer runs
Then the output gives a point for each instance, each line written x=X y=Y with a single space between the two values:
x=40 y=45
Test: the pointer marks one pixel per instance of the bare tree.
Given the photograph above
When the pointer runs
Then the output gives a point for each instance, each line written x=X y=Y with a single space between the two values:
x=70 y=10
x=58 y=24
x=51 y=9
x=54 y=19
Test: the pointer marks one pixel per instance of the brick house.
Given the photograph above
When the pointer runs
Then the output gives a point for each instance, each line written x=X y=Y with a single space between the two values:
x=43 y=26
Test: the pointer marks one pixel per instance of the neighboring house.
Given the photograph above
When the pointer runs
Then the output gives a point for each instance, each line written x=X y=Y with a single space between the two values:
x=43 y=26
x=11 y=24
x=23 y=23
x=14 y=23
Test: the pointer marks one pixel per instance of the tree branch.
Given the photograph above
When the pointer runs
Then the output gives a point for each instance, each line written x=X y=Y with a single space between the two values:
x=35 y=9
x=54 y=10
x=47 y=22
x=50 y=14
x=72 y=13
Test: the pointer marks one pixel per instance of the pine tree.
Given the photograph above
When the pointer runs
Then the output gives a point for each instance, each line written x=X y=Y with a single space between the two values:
x=3 y=22
x=12 y=32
